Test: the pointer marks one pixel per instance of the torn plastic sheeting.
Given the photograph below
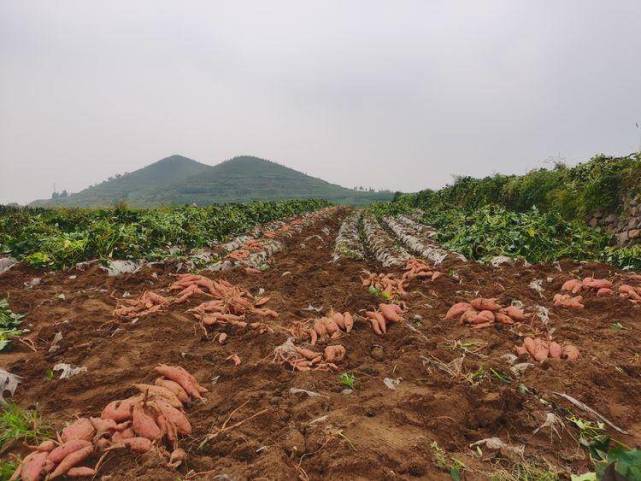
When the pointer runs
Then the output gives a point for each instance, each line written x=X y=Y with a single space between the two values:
x=7 y=263
x=8 y=382
x=68 y=370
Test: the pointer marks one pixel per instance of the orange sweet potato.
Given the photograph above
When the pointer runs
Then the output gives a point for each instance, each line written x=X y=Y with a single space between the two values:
x=572 y=285
x=334 y=353
x=120 y=410
x=515 y=313
x=555 y=350
x=152 y=391
x=144 y=424
x=604 y=292
x=81 y=428
x=61 y=452
x=349 y=321
x=71 y=460
x=32 y=467
x=570 y=352
x=485 y=304
x=174 y=416
x=81 y=472
x=182 y=377
x=174 y=387
x=457 y=310
x=390 y=313
x=504 y=318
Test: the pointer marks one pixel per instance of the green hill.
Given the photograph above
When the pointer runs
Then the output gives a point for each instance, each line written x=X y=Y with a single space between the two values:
x=177 y=180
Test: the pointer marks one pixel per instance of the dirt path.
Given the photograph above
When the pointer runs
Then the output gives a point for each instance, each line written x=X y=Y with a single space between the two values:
x=374 y=432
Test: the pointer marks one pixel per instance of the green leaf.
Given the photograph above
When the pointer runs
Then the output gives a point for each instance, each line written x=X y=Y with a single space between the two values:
x=628 y=462
x=455 y=473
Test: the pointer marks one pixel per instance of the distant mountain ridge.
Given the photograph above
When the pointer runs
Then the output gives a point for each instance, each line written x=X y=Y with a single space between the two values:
x=178 y=180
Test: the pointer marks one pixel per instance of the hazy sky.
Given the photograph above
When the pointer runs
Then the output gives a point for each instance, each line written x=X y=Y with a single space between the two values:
x=396 y=94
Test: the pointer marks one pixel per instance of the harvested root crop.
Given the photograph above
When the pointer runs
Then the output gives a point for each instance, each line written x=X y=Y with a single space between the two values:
x=566 y=300
x=146 y=304
x=386 y=314
x=135 y=423
x=332 y=326
x=540 y=350
x=485 y=312
x=417 y=268
x=305 y=359
x=388 y=285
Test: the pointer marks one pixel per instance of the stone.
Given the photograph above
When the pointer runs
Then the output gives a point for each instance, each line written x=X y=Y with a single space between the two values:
x=610 y=219
x=622 y=238
x=634 y=233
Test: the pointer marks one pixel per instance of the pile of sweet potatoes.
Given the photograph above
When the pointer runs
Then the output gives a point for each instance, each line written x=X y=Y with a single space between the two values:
x=384 y=315
x=148 y=303
x=230 y=304
x=388 y=284
x=602 y=287
x=304 y=359
x=137 y=423
x=484 y=312
x=331 y=326
x=418 y=268
x=540 y=350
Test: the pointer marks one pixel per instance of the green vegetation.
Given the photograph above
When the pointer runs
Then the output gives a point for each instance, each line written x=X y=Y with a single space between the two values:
x=177 y=180
x=9 y=322
x=525 y=471
x=574 y=192
x=605 y=453
x=540 y=217
x=347 y=379
x=21 y=424
x=7 y=469
x=61 y=237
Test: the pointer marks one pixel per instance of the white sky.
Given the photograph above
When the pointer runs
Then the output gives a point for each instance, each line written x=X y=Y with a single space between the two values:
x=398 y=94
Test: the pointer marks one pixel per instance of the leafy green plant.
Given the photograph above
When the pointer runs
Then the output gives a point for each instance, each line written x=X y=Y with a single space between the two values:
x=445 y=462
x=19 y=423
x=62 y=237
x=348 y=380
x=7 y=468
x=9 y=322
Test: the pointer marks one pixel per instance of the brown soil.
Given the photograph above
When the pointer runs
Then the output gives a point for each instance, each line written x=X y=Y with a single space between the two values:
x=371 y=433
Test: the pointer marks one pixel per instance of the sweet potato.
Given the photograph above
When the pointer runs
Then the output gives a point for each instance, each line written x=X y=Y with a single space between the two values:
x=334 y=353
x=483 y=317
x=313 y=335
x=71 y=460
x=520 y=350
x=597 y=283
x=61 y=452
x=529 y=345
x=572 y=285
x=570 y=352
x=103 y=425
x=485 y=304
x=32 y=467
x=504 y=318
x=339 y=319
x=235 y=358
x=514 y=312
x=319 y=327
x=261 y=301
x=81 y=472
x=138 y=445
x=47 y=446
x=378 y=317
x=390 y=313
x=604 y=292
x=565 y=300
x=629 y=291
x=541 y=350
x=174 y=416
x=174 y=387
x=81 y=428
x=457 y=310
x=375 y=325
x=119 y=436
x=306 y=353
x=468 y=316
x=120 y=410
x=555 y=350
x=177 y=457
x=330 y=325
x=349 y=321
x=182 y=377
x=144 y=424
x=159 y=392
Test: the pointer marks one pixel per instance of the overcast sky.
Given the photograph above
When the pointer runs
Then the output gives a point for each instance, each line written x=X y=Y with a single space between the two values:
x=396 y=94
